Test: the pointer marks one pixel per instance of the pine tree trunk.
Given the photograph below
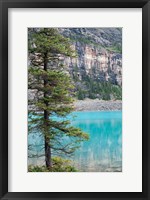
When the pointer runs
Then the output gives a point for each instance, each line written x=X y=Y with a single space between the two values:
x=46 y=117
x=47 y=146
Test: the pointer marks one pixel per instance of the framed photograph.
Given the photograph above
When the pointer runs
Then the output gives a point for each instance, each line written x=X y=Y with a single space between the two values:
x=74 y=99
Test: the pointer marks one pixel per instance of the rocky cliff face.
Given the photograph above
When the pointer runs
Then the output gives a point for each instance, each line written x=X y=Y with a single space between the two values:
x=98 y=53
x=97 y=68
x=99 y=56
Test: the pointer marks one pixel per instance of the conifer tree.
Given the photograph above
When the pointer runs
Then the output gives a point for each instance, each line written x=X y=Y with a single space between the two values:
x=52 y=91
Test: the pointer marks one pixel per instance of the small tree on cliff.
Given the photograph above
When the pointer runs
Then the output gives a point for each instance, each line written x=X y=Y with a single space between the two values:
x=53 y=91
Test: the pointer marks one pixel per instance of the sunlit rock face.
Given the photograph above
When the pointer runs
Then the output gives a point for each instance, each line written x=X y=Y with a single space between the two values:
x=97 y=68
x=98 y=53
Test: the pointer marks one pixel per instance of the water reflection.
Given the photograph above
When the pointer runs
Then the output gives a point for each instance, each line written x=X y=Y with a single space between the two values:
x=103 y=152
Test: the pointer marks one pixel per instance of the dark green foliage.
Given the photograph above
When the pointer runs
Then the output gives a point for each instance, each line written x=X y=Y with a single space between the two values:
x=116 y=48
x=58 y=165
x=48 y=40
x=81 y=94
x=101 y=90
x=53 y=91
x=89 y=87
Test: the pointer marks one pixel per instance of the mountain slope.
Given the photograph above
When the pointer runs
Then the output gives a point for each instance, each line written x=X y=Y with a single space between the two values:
x=97 y=69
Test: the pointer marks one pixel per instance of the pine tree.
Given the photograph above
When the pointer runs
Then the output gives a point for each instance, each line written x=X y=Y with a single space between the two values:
x=53 y=91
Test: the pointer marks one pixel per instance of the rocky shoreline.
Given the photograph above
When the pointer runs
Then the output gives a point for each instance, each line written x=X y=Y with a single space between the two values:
x=97 y=105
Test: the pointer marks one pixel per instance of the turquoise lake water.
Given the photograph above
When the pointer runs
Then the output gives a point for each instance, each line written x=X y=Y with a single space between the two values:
x=103 y=151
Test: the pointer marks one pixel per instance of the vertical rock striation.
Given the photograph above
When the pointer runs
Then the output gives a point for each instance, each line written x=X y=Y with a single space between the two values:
x=99 y=55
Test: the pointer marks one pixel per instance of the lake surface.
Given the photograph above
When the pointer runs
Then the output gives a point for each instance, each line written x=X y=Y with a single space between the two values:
x=103 y=151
